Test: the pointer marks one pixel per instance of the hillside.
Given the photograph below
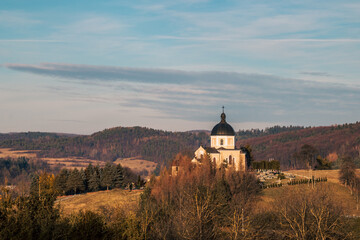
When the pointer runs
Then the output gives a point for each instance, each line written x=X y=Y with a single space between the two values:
x=110 y=144
x=331 y=142
x=161 y=146
x=99 y=201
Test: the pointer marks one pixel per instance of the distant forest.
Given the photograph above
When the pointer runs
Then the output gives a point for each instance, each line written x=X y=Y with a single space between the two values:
x=280 y=143
x=332 y=142
x=245 y=134
x=109 y=144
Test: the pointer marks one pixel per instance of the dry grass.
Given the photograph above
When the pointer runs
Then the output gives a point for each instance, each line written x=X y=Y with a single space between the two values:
x=7 y=152
x=69 y=162
x=137 y=165
x=72 y=162
x=98 y=201
x=332 y=175
x=341 y=194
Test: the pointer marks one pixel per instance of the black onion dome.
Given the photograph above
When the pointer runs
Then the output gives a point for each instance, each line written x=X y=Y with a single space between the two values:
x=223 y=128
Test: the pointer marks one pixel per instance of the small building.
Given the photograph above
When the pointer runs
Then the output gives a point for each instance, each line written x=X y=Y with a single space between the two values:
x=222 y=151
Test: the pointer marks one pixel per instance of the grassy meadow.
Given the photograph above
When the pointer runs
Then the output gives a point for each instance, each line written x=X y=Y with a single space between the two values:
x=332 y=175
x=341 y=194
x=137 y=165
x=8 y=152
x=100 y=201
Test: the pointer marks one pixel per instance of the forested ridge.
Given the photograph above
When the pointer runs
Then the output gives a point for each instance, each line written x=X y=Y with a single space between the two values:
x=280 y=143
x=251 y=133
x=108 y=145
x=331 y=142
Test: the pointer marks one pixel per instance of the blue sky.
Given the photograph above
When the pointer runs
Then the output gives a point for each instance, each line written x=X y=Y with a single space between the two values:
x=82 y=66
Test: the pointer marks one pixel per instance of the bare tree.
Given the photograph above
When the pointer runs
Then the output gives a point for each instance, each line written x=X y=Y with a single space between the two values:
x=306 y=213
x=347 y=173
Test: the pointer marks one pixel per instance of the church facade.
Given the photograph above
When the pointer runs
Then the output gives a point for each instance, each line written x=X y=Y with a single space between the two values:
x=222 y=150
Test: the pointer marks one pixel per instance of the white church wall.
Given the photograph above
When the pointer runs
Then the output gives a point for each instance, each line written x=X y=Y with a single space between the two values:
x=228 y=142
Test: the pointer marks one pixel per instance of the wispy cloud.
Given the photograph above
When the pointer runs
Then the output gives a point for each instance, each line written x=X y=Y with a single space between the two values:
x=16 y=19
x=322 y=74
x=94 y=24
x=185 y=57
x=258 y=40
x=191 y=94
x=31 y=40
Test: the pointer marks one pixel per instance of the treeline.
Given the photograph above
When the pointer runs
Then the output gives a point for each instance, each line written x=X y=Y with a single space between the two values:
x=280 y=143
x=252 y=133
x=266 y=165
x=19 y=171
x=331 y=143
x=90 y=179
x=111 y=144
x=32 y=135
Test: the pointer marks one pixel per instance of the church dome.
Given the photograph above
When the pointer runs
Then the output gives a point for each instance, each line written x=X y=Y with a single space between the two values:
x=223 y=128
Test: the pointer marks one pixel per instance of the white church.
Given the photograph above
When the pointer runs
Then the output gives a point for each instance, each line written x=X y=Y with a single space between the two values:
x=222 y=150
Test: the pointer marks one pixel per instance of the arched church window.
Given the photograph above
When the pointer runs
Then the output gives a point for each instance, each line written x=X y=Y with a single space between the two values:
x=214 y=160
x=221 y=141
x=230 y=159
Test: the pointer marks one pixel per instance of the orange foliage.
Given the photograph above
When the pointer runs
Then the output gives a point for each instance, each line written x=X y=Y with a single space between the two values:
x=332 y=157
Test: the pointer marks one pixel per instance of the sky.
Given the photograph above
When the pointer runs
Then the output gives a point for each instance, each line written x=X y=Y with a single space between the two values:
x=83 y=66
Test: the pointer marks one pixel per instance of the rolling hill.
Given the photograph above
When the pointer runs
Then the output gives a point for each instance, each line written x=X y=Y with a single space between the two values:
x=331 y=142
x=161 y=146
x=110 y=144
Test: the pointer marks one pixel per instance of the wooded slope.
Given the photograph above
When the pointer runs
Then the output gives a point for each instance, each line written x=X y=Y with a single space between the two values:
x=161 y=146
x=331 y=142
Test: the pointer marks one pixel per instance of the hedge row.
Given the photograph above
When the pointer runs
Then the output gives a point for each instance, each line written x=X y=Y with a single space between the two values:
x=305 y=181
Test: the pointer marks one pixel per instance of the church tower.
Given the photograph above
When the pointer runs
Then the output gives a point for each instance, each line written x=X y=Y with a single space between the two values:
x=222 y=151
x=223 y=135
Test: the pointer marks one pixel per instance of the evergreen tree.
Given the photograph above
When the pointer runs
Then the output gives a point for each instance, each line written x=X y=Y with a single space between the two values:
x=322 y=163
x=34 y=186
x=85 y=180
x=75 y=182
x=89 y=171
x=248 y=155
x=119 y=176
x=61 y=181
x=107 y=176
x=94 y=182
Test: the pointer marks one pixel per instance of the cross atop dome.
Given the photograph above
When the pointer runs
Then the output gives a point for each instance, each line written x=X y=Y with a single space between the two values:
x=222 y=152
x=223 y=128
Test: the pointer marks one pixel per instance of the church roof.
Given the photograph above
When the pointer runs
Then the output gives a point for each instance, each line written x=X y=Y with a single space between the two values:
x=211 y=150
x=223 y=128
